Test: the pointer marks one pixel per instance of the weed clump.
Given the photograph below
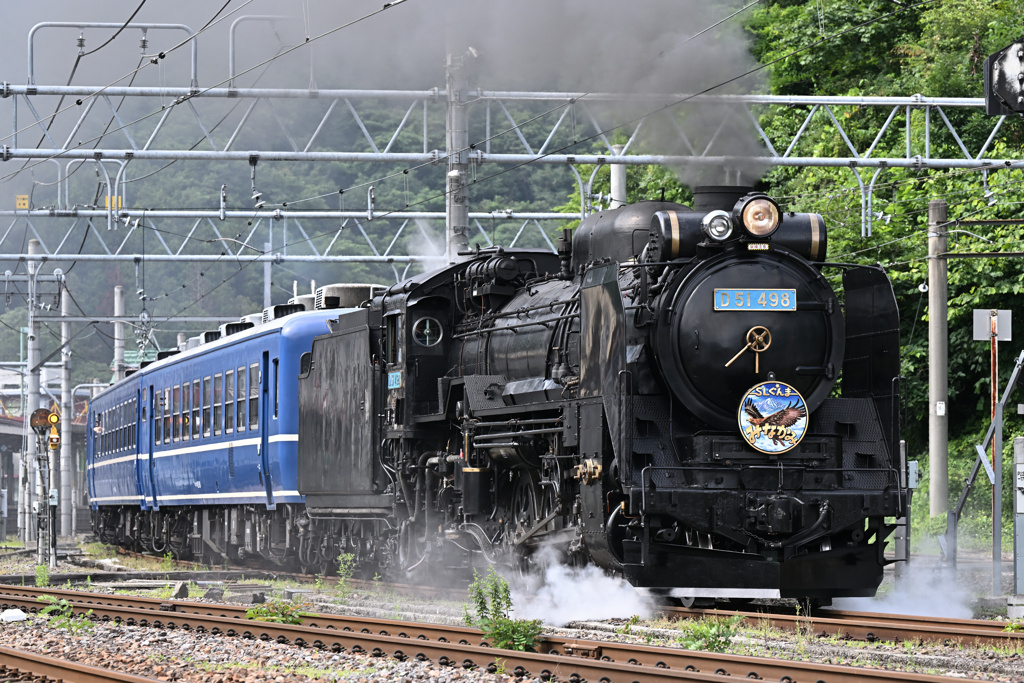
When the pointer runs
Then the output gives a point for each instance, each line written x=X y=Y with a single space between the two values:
x=278 y=611
x=491 y=603
x=709 y=635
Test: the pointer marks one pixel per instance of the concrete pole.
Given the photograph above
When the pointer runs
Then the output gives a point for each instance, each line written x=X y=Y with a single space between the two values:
x=25 y=526
x=938 y=370
x=1018 y=519
x=266 y=277
x=67 y=410
x=618 y=172
x=457 y=149
x=118 y=334
x=32 y=398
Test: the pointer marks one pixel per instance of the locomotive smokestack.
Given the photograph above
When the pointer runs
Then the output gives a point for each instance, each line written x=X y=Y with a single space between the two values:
x=717 y=197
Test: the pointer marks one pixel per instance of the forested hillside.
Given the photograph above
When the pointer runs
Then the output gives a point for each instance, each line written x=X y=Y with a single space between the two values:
x=935 y=49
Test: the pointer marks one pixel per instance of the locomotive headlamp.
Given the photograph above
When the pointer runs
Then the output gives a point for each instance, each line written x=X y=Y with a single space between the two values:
x=760 y=216
x=717 y=225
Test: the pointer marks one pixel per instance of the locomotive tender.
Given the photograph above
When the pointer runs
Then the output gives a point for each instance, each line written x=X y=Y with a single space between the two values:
x=679 y=396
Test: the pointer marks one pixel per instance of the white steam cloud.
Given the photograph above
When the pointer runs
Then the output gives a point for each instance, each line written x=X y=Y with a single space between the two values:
x=563 y=594
x=923 y=592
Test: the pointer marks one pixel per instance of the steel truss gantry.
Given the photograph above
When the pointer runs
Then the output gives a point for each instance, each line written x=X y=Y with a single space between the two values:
x=233 y=121
x=501 y=116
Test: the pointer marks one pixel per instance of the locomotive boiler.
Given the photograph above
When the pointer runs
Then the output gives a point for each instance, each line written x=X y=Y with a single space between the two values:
x=692 y=398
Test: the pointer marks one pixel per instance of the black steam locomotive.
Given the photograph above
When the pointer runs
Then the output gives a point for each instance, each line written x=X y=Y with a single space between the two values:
x=682 y=396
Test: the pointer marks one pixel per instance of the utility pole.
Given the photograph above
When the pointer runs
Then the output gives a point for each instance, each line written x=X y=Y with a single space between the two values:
x=457 y=150
x=938 y=371
x=267 y=246
x=118 y=334
x=67 y=409
x=32 y=396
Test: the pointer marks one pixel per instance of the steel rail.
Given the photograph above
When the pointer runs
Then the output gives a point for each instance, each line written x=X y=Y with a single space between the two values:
x=563 y=657
x=868 y=626
x=61 y=669
x=872 y=627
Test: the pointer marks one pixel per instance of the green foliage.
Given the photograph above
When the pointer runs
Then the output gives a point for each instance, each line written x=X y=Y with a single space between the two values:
x=490 y=610
x=346 y=569
x=1015 y=626
x=278 y=611
x=627 y=628
x=42 y=575
x=62 y=615
x=937 y=51
x=710 y=634
x=167 y=562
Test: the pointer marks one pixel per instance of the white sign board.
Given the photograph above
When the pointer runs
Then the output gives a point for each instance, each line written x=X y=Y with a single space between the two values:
x=1018 y=488
x=983 y=325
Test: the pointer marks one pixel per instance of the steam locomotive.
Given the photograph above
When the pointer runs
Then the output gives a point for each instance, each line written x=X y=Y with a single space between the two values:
x=690 y=398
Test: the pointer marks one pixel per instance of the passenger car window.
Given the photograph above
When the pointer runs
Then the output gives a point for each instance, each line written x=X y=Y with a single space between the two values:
x=207 y=392
x=218 y=399
x=242 y=398
x=229 y=401
x=176 y=411
x=197 y=401
x=254 y=395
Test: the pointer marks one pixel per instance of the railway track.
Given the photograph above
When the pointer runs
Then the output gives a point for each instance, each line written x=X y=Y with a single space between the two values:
x=569 y=659
x=874 y=627
x=21 y=666
x=866 y=626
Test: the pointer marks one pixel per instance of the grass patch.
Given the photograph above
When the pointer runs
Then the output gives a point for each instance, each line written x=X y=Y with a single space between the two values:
x=99 y=551
x=278 y=611
x=709 y=634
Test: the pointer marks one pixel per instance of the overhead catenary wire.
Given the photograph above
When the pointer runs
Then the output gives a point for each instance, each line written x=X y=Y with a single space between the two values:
x=149 y=60
x=184 y=98
x=116 y=33
x=78 y=60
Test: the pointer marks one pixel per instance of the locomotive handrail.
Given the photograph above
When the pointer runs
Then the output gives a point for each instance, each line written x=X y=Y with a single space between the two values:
x=513 y=422
x=542 y=323
x=525 y=432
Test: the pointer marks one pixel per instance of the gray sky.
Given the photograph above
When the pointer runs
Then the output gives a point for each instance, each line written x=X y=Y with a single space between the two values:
x=520 y=44
x=570 y=44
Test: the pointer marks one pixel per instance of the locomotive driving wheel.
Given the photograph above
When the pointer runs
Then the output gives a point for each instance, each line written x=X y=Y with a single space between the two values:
x=522 y=516
x=523 y=506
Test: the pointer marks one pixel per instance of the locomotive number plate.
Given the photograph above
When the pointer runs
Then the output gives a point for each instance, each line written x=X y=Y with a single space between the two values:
x=755 y=299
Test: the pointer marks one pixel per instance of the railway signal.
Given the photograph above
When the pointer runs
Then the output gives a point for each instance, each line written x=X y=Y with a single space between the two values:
x=1004 y=80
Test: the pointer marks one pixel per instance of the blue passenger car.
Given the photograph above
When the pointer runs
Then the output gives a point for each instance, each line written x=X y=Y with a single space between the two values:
x=197 y=452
